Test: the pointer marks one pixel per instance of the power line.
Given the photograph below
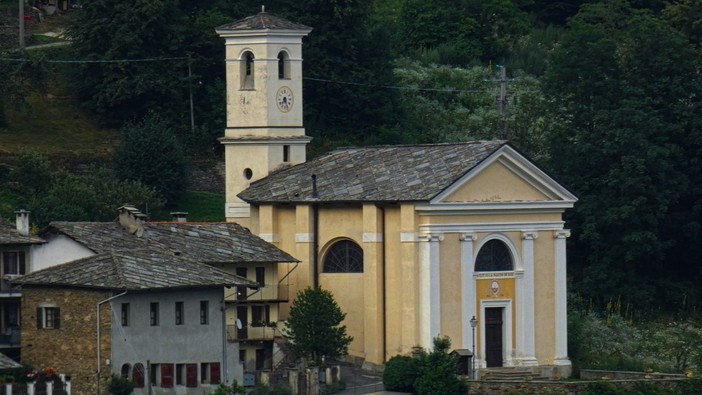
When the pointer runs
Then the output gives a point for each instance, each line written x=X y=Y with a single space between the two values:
x=98 y=61
x=447 y=90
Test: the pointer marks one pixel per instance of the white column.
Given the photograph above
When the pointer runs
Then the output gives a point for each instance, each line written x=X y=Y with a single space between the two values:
x=429 y=289
x=561 y=299
x=526 y=344
x=468 y=302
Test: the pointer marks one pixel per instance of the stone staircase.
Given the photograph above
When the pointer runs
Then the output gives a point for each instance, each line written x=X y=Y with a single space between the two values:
x=508 y=374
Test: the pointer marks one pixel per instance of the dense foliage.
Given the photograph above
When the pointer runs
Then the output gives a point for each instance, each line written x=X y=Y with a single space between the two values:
x=64 y=196
x=151 y=155
x=603 y=94
x=426 y=373
x=314 y=326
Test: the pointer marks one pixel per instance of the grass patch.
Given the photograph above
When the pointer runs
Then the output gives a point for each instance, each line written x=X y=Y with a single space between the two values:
x=200 y=206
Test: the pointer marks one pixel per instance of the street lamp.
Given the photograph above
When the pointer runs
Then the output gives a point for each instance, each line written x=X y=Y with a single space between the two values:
x=473 y=324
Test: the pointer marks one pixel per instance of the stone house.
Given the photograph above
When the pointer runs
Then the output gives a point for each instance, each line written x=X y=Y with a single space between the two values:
x=16 y=259
x=160 y=321
x=252 y=315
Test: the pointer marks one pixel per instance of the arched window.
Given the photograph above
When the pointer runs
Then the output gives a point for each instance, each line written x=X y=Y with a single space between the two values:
x=247 y=70
x=494 y=256
x=126 y=370
x=283 y=65
x=138 y=375
x=344 y=257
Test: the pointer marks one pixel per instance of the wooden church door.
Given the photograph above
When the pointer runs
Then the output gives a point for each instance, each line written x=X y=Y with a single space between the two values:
x=493 y=337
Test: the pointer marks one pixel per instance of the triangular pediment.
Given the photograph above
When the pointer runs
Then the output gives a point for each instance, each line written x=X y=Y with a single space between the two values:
x=505 y=176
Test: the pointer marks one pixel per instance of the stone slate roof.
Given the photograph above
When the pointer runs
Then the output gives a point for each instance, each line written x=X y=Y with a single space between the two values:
x=210 y=242
x=133 y=270
x=376 y=174
x=10 y=236
x=262 y=21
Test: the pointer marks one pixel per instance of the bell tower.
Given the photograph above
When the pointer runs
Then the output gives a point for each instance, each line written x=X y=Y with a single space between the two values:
x=264 y=103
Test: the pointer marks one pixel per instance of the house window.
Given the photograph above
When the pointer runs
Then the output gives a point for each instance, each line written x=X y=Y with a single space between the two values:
x=260 y=315
x=204 y=312
x=125 y=314
x=210 y=373
x=153 y=374
x=241 y=290
x=154 y=314
x=166 y=375
x=344 y=257
x=48 y=317
x=13 y=263
x=138 y=375
x=261 y=276
x=191 y=375
x=494 y=256
x=286 y=153
x=180 y=374
x=125 y=370
x=179 y=312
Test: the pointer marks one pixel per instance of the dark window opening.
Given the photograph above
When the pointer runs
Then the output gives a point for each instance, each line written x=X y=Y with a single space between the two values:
x=179 y=312
x=260 y=315
x=204 y=312
x=13 y=263
x=153 y=315
x=125 y=314
x=344 y=257
x=286 y=153
x=138 y=375
x=494 y=256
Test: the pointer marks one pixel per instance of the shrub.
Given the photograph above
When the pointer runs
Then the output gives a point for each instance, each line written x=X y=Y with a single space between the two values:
x=120 y=385
x=400 y=373
x=233 y=389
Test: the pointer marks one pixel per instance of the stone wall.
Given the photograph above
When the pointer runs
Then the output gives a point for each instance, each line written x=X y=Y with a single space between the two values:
x=70 y=349
x=555 y=387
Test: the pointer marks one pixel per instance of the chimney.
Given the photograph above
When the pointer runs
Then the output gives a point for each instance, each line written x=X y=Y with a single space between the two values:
x=179 y=216
x=22 y=220
x=131 y=219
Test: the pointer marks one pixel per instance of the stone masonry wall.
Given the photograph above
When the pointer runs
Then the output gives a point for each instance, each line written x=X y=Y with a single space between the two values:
x=71 y=349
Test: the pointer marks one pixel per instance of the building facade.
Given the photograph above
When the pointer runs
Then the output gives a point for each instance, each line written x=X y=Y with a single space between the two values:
x=413 y=241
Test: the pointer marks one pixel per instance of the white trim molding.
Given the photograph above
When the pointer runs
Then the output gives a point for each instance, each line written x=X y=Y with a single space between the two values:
x=369 y=237
x=468 y=288
x=561 y=299
x=429 y=289
x=408 y=237
x=506 y=330
x=303 y=237
x=526 y=342
x=269 y=237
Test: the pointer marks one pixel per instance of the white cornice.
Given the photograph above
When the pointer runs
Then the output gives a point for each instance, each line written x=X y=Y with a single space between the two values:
x=492 y=227
x=540 y=207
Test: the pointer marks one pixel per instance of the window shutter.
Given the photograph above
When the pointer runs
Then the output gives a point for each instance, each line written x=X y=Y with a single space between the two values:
x=167 y=375
x=57 y=318
x=214 y=373
x=138 y=375
x=191 y=372
x=39 y=314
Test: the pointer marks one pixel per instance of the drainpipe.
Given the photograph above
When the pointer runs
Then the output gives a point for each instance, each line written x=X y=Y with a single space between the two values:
x=315 y=225
x=382 y=256
x=98 y=335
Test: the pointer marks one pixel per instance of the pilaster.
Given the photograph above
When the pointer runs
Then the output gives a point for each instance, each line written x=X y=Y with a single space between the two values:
x=561 y=357
x=429 y=289
x=373 y=284
x=526 y=342
x=468 y=293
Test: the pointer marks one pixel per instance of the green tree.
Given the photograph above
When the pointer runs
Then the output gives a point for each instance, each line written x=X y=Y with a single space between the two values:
x=231 y=389
x=626 y=140
x=438 y=371
x=151 y=154
x=314 y=326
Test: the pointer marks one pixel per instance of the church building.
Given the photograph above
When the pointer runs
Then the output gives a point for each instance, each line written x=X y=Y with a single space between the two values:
x=414 y=241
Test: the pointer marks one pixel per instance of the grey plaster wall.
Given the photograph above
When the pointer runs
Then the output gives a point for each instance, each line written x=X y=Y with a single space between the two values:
x=191 y=342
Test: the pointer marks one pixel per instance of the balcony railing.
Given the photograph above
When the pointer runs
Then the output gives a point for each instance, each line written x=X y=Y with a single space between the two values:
x=11 y=337
x=266 y=294
x=250 y=332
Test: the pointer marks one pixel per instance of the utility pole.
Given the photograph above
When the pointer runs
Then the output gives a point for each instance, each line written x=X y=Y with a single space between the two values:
x=21 y=24
x=502 y=101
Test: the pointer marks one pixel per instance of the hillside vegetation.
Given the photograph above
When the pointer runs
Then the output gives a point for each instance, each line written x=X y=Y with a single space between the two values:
x=604 y=95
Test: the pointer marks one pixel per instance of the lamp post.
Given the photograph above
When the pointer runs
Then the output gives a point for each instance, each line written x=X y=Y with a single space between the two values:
x=473 y=324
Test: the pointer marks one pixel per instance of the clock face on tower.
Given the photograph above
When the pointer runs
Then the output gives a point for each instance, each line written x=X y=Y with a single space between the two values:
x=284 y=99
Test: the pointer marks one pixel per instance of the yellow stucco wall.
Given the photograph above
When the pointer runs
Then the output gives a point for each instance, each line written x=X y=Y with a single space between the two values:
x=496 y=183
